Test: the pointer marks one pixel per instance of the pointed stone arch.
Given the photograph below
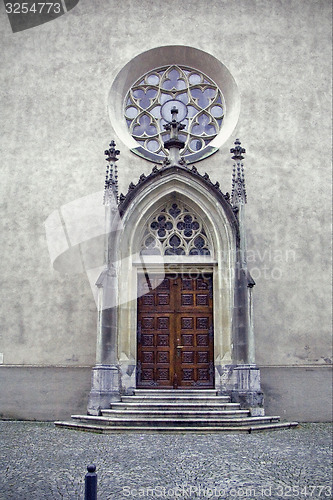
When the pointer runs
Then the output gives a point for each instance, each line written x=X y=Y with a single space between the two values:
x=211 y=206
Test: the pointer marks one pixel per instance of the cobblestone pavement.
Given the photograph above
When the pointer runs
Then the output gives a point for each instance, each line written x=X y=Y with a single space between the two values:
x=40 y=461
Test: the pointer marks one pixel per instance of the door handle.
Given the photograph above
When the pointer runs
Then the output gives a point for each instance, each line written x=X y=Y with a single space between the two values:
x=180 y=346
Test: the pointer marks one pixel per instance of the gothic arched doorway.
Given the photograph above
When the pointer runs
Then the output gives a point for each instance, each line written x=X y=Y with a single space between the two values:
x=179 y=232
x=174 y=295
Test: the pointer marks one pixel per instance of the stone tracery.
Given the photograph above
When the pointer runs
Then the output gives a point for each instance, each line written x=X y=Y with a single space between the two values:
x=203 y=98
x=175 y=230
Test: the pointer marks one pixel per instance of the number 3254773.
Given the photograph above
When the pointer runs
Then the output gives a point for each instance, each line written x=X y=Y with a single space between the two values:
x=35 y=8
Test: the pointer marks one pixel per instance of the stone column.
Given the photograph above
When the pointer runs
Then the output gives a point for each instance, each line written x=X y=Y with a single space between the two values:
x=105 y=375
x=243 y=326
x=241 y=380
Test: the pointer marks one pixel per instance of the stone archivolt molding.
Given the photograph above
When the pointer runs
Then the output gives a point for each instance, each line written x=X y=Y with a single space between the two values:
x=156 y=172
x=190 y=172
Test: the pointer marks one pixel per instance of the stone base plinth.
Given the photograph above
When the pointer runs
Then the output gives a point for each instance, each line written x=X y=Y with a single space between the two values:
x=242 y=383
x=249 y=400
x=104 y=388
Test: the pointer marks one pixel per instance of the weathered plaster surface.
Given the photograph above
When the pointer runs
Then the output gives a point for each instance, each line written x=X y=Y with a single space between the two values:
x=43 y=393
x=304 y=394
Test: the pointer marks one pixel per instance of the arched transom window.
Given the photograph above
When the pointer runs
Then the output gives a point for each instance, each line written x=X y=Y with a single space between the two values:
x=175 y=230
x=203 y=98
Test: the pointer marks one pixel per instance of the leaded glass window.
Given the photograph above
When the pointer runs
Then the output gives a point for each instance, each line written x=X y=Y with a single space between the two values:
x=203 y=98
x=175 y=230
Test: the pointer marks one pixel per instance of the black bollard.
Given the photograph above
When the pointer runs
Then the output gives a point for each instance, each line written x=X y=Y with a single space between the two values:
x=91 y=483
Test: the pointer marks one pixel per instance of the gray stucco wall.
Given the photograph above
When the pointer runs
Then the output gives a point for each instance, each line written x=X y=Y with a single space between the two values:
x=55 y=82
x=52 y=393
x=302 y=394
x=43 y=393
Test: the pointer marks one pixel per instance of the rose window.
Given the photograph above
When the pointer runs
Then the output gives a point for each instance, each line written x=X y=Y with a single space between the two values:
x=202 y=97
x=175 y=231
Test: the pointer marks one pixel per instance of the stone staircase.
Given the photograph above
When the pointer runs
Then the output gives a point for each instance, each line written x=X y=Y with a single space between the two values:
x=177 y=411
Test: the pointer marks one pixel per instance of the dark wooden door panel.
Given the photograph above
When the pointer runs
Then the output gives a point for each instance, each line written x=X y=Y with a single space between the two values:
x=155 y=327
x=194 y=361
x=175 y=332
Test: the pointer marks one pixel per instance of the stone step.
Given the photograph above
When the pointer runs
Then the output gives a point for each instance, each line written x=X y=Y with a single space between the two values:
x=172 y=429
x=175 y=414
x=177 y=392
x=165 y=406
x=168 y=398
x=175 y=411
x=179 y=422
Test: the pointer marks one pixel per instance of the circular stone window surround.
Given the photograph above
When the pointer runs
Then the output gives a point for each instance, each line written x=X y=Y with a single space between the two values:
x=164 y=56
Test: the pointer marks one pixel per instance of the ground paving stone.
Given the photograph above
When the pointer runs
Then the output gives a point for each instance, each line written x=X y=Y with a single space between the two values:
x=39 y=461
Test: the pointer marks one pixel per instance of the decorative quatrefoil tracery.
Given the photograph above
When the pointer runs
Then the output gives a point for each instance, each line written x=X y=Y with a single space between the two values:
x=203 y=98
x=175 y=231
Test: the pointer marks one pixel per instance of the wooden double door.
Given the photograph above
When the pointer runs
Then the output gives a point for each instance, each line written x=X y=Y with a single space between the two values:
x=175 y=332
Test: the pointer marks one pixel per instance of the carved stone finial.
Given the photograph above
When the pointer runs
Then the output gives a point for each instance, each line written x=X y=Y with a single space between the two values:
x=174 y=144
x=166 y=162
x=237 y=151
x=238 y=191
x=112 y=152
x=111 y=180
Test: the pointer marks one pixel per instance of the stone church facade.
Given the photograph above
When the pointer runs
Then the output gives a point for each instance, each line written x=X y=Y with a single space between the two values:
x=193 y=283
